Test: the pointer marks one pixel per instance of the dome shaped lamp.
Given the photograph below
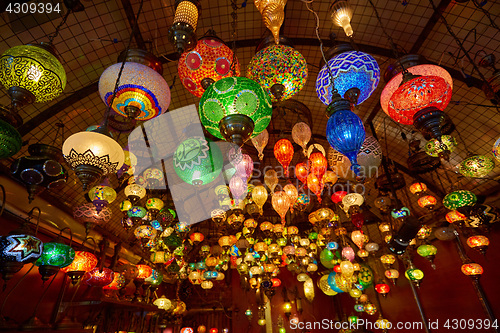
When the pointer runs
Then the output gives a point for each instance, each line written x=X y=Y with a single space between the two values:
x=142 y=93
x=92 y=155
x=84 y=262
x=345 y=131
x=235 y=109
x=55 y=256
x=341 y=15
x=476 y=166
x=182 y=33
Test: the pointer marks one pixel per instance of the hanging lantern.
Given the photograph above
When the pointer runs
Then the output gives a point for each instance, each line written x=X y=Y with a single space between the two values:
x=55 y=256
x=280 y=204
x=356 y=76
x=352 y=199
x=92 y=155
x=345 y=131
x=154 y=205
x=292 y=193
x=271 y=179
x=182 y=33
x=235 y=109
x=117 y=283
x=427 y=201
x=455 y=217
x=83 y=262
x=418 y=188
x=273 y=14
x=301 y=172
x=476 y=166
x=210 y=61
x=144 y=271
x=382 y=288
x=318 y=164
x=260 y=142
x=458 y=199
x=283 y=151
x=472 y=269
x=301 y=134
x=88 y=215
x=441 y=149
x=280 y=70
x=478 y=242
x=341 y=15
x=259 y=196
x=10 y=140
x=302 y=202
x=198 y=161
x=338 y=196
x=315 y=185
x=101 y=195
x=134 y=192
x=142 y=93
x=32 y=73
x=239 y=188
x=98 y=278
x=244 y=167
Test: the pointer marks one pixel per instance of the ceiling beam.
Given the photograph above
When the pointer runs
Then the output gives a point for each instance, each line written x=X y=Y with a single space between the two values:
x=434 y=19
x=129 y=11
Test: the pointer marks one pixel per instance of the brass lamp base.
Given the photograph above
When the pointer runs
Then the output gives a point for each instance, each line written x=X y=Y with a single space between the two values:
x=236 y=128
x=352 y=95
x=182 y=36
x=88 y=175
x=429 y=122
x=20 y=97
x=132 y=111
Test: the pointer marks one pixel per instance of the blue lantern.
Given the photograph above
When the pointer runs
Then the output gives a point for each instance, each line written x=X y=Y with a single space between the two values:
x=356 y=76
x=345 y=131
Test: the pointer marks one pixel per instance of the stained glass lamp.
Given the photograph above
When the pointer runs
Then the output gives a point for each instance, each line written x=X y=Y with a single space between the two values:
x=496 y=149
x=476 y=166
x=84 y=261
x=443 y=148
x=92 y=155
x=134 y=192
x=10 y=140
x=32 y=73
x=356 y=76
x=458 y=199
x=101 y=196
x=210 y=61
x=88 y=214
x=427 y=201
x=182 y=32
x=198 y=161
x=235 y=109
x=280 y=70
x=273 y=14
x=99 y=278
x=472 y=269
x=260 y=142
x=117 y=283
x=478 y=242
x=142 y=93
x=345 y=131
x=283 y=151
x=418 y=188
x=55 y=256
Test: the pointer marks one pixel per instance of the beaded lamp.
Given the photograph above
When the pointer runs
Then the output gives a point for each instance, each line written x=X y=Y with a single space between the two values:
x=208 y=62
x=280 y=70
x=458 y=199
x=182 y=32
x=55 y=256
x=443 y=148
x=476 y=166
x=84 y=261
x=356 y=76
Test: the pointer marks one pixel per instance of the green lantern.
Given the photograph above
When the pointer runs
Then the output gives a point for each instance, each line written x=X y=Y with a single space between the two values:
x=426 y=250
x=235 y=109
x=198 y=161
x=476 y=166
x=443 y=148
x=365 y=276
x=10 y=140
x=414 y=274
x=55 y=255
x=458 y=199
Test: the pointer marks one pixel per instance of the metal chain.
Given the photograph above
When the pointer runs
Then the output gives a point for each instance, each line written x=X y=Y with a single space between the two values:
x=56 y=33
x=234 y=15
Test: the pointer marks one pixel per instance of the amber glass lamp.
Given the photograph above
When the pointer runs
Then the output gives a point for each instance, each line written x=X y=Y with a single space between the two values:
x=84 y=261
x=472 y=269
x=341 y=15
x=427 y=201
x=478 y=242
x=182 y=33
x=283 y=151
x=273 y=14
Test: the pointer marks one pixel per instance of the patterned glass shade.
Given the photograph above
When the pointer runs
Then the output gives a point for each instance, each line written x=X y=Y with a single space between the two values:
x=283 y=151
x=97 y=278
x=137 y=212
x=352 y=199
x=472 y=269
x=301 y=172
x=345 y=133
x=455 y=216
x=239 y=188
x=56 y=254
x=350 y=70
x=144 y=271
x=235 y=95
x=280 y=204
x=154 y=204
x=87 y=213
x=301 y=134
x=35 y=69
x=318 y=164
x=84 y=261
x=395 y=82
x=417 y=188
x=163 y=303
x=426 y=250
x=145 y=231
x=101 y=196
x=210 y=59
x=496 y=149
x=478 y=241
x=259 y=196
x=435 y=148
x=198 y=161
x=10 y=140
x=260 y=142
x=458 y=199
x=197 y=237
x=397 y=213
x=135 y=190
x=273 y=14
x=322 y=214
x=281 y=65
x=292 y=193
x=140 y=86
x=476 y=166
x=427 y=201
x=117 y=283
x=417 y=94
x=338 y=196
x=21 y=248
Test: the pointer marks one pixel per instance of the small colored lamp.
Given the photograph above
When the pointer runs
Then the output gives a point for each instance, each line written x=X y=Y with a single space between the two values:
x=478 y=242
x=472 y=270
x=83 y=262
x=427 y=201
x=459 y=199
x=101 y=196
x=283 y=151
x=341 y=15
x=476 y=166
x=55 y=256
x=182 y=33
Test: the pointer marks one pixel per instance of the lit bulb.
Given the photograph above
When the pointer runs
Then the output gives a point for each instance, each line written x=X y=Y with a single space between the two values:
x=341 y=16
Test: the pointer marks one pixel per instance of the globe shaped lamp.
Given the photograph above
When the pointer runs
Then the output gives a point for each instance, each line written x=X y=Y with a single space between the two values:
x=92 y=155
x=280 y=70
x=455 y=216
x=472 y=270
x=476 y=166
x=83 y=262
x=478 y=242
x=458 y=199
x=356 y=76
x=427 y=201
x=98 y=277
x=142 y=93
x=418 y=188
x=235 y=109
x=55 y=256
x=443 y=148
x=32 y=73
x=208 y=62
x=134 y=192
x=101 y=196
x=10 y=140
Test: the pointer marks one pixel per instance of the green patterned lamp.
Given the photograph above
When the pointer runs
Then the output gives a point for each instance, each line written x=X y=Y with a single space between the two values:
x=55 y=255
x=476 y=166
x=235 y=109
x=443 y=148
x=198 y=161
x=459 y=199
x=10 y=140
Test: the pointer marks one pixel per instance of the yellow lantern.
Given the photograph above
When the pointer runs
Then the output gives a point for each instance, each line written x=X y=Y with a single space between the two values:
x=273 y=14
x=292 y=193
x=271 y=179
x=259 y=196
x=281 y=204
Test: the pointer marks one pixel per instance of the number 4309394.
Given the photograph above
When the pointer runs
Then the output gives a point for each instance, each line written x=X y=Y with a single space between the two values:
x=32 y=8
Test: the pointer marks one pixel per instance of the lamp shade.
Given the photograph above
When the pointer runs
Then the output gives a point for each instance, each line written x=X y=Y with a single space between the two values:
x=476 y=166
x=101 y=195
x=117 y=283
x=458 y=199
x=142 y=94
x=259 y=196
x=198 y=161
x=283 y=151
x=10 y=140
x=273 y=14
x=280 y=202
x=210 y=61
x=56 y=254
x=144 y=271
x=87 y=213
x=280 y=70
x=19 y=247
x=235 y=96
x=260 y=142
x=83 y=261
x=436 y=148
x=99 y=278
x=35 y=69
x=353 y=72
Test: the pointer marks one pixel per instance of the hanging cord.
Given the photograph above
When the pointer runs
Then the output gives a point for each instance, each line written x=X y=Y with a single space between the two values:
x=56 y=33
x=3 y=199
x=30 y=215
x=117 y=83
x=486 y=13
x=234 y=15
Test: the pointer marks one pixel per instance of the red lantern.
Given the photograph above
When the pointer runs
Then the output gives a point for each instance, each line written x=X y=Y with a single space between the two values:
x=315 y=185
x=418 y=188
x=318 y=164
x=144 y=271
x=382 y=288
x=428 y=202
x=416 y=94
x=358 y=220
x=472 y=269
x=97 y=278
x=197 y=237
x=337 y=269
x=301 y=172
x=84 y=261
x=338 y=196
x=214 y=330
x=117 y=283
x=276 y=282
x=455 y=216
x=283 y=151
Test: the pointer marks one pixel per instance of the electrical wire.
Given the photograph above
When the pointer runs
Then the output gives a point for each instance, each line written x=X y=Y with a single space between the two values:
x=486 y=13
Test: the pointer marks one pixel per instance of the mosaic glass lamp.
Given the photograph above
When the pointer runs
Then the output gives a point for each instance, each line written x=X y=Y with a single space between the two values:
x=472 y=270
x=182 y=33
x=345 y=131
x=142 y=93
x=87 y=213
x=101 y=196
x=476 y=166
x=55 y=256
x=10 y=140
x=84 y=261
x=458 y=199
x=280 y=70
x=198 y=161
x=32 y=73
x=427 y=201
x=443 y=148
x=235 y=109
x=283 y=151
x=356 y=76
x=92 y=155
x=273 y=14
x=210 y=61
x=99 y=277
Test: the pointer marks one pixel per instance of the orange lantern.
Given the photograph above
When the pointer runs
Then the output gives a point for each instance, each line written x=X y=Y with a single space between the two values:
x=418 y=188
x=144 y=271
x=301 y=172
x=281 y=204
x=315 y=185
x=84 y=261
x=292 y=193
x=478 y=242
x=318 y=164
x=472 y=269
x=197 y=237
x=283 y=151
x=428 y=202
x=338 y=196
x=455 y=216
x=259 y=196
